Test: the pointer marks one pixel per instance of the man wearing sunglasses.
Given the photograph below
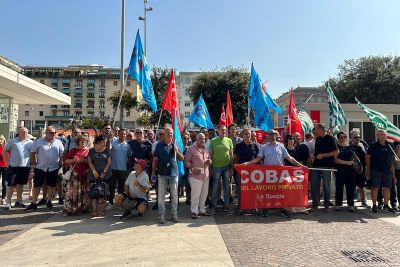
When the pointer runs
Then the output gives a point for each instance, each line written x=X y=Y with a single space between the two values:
x=45 y=160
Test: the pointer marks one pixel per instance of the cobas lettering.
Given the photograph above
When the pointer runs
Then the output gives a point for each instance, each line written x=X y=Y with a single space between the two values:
x=272 y=176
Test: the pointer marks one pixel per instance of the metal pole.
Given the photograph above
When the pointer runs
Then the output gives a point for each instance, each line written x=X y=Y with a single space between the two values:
x=122 y=76
x=248 y=112
x=145 y=30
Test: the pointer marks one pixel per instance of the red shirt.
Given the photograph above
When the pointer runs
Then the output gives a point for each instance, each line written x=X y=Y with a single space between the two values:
x=2 y=161
x=80 y=168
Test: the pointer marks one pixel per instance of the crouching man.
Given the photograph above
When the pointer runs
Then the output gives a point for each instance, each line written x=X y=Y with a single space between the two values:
x=136 y=187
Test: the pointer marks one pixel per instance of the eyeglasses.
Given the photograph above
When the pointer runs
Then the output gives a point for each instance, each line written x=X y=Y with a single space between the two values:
x=185 y=138
x=51 y=132
x=160 y=134
x=138 y=132
x=107 y=128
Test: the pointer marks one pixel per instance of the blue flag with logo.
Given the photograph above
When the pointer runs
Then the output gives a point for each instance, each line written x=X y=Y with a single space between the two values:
x=139 y=70
x=260 y=101
x=179 y=144
x=200 y=115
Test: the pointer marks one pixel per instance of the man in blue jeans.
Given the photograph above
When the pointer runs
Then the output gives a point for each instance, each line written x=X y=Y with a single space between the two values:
x=221 y=152
x=165 y=166
x=326 y=150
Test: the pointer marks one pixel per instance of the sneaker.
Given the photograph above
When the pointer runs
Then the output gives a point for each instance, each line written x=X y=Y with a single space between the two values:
x=162 y=219
x=220 y=202
x=126 y=214
x=110 y=206
x=19 y=204
x=374 y=209
x=49 y=205
x=175 y=218
x=265 y=213
x=43 y=201
x=380 y=206
x=337 y=208
x=155 y=206
x=364 y=203
x=31 y=207
x=388 y=209
x=194 y=216
x=352 y=209
x=314 y=209
x=395 y=209
x=7 y=206
x=61 y=201
x=285 y=213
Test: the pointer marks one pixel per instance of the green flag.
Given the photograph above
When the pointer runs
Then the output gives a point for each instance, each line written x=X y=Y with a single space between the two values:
x=337 y=116
x=381 y=121
x=306 y=122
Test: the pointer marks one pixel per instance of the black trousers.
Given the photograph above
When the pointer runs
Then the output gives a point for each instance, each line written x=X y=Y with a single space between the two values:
x=116 y=177
x=345 y=176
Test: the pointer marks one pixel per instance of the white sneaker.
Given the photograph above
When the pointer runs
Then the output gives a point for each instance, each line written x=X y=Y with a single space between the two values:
x=110 y=206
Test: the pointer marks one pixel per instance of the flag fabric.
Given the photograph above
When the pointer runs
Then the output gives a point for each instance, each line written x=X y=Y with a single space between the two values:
x=178 y=142
x=381 y=122
x=222 y=118
x=200 y=115
x=294 y=122
x=306 y=122
x=171 y=99
x=260 y=102
x=229 y=113
x=337 y=116
x=139 y=70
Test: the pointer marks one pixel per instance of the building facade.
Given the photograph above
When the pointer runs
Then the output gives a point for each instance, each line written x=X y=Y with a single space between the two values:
x=183 y=81
x=89 y=87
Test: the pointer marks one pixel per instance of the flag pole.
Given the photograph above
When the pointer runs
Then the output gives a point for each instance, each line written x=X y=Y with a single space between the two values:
x=248 y=112
x=122 y=75
x=158 y=124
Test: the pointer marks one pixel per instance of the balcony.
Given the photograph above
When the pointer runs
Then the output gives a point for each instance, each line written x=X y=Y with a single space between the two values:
x=57 y=117
x=102 y=107
x=90 y=107
x=77 y=95
x=78 y=106
x=102 y=96
x=90 y=96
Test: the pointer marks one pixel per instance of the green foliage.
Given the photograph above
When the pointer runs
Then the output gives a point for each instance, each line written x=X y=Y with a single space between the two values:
x=128 y=100
x=92 y=122
x=144 y=120
x=213 y=85
x=372 y=79
x=159 y=78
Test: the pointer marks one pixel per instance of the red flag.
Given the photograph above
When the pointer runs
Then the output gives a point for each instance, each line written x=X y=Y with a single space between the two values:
x=294 y=122
x=229 y=113
x=171 y=99
x=222 y=119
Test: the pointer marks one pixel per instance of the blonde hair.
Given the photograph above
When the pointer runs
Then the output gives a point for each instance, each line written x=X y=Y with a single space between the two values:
x=3 y=138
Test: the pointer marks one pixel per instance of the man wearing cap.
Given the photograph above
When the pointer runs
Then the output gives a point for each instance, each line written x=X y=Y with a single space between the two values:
x=120 y=157
x=274 y=153
x=17 y=152
x=136 y=187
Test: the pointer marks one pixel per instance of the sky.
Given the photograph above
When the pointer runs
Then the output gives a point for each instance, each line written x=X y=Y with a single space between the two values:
x=291 y=42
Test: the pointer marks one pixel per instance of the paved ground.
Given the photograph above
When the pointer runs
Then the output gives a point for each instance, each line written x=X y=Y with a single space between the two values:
x=320 y=239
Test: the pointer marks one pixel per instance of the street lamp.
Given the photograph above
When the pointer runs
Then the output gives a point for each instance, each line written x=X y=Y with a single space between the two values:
x=31 y=114
x=146 y=9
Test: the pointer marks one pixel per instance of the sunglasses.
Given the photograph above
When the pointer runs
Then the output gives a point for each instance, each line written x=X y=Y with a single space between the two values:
x=107 y=128
x=185 y=138
x=51 y=132
x=138 y=132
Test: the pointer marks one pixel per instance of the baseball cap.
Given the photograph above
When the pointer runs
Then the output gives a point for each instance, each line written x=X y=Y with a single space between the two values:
x=141 y=162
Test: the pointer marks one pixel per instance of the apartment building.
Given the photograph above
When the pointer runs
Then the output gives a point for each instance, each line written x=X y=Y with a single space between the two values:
x=89 y=87
x=183 y=81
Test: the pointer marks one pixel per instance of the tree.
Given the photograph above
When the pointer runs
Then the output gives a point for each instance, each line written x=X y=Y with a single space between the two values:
x=92 y=122
x=144 y=120
x=159 y=78
x=128 y=102
x=213 y=85
x=372 y=79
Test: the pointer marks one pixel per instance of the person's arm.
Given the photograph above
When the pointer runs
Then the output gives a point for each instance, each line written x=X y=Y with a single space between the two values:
x=254 y=161
x=126 y=189
x=106 y=167
x=91 y=166
x=235 y=158
x=188 y=159
x=333 y=153
x=5 y=155
x=343 y=162
x=154 y=166
x=294 y=161
x=368 y=163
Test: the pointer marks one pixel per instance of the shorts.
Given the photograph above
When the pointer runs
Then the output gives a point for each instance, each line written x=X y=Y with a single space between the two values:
x=51 y=178
x=17 y=175
x=132 y=203
x=379 y=179
x=360 y=180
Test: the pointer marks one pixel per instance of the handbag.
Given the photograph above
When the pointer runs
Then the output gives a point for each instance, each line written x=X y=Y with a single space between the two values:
x=357 y=166
x=97 y=190
x=67 y=174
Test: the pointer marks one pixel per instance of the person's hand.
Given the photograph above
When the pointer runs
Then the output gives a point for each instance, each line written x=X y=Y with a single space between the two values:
x=245 y=163
x=368 y=174
x=136 y=183
x=319 y=156
x=208 y=162
x=95 y=174
x=82 y=160
x=394 y=179
x=350 y=163
x=102 y=175
x=302 y=166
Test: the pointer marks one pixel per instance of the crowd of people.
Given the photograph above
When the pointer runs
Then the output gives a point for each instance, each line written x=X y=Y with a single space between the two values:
x=120 y=167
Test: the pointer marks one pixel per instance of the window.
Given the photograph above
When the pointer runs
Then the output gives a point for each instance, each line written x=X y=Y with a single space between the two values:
x=186 y=92
x=53 y=106
x=78 y=83
x=78 y=113
x=90 y=83
x=187 y=103
x=65 y=106
x=102 y=83
x=41 y=113
x=91 y=113
x=54 y=113
x=396 y=120
x=187 y=114
x=128 y=113
x=66 y=113
x=187 y=80
x=26 y=113
x=102 y=93
x=128 y=83
x=115 y=83
x=102 y=113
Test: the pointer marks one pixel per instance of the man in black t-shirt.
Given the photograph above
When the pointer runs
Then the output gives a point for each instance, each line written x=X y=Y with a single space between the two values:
x=141 y=148
x=326 y=150
x=380 y=169
x=244 y=151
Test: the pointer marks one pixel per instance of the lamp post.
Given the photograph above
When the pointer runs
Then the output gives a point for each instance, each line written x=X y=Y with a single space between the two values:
x=144 y=19
x=31 y=114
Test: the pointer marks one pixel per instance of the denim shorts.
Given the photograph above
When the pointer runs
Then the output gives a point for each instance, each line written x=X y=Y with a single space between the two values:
x=379 y=178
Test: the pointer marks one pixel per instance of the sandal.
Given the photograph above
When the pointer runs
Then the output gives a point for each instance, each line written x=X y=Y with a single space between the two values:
x=194 y=216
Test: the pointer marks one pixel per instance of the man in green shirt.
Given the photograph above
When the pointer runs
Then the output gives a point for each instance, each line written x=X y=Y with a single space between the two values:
x=221 y=152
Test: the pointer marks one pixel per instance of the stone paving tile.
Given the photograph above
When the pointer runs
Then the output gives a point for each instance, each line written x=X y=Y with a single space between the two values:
x=308 y=240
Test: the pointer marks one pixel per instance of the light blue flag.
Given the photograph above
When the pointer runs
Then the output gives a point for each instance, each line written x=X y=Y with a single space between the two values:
x=255 y=86
x=139 y=70
x=179 y=144
x=200 y=115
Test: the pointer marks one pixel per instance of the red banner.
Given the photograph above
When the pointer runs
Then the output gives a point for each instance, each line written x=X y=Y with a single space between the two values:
x=264 y=186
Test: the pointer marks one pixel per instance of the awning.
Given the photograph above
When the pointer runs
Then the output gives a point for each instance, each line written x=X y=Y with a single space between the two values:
x=25 y=90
